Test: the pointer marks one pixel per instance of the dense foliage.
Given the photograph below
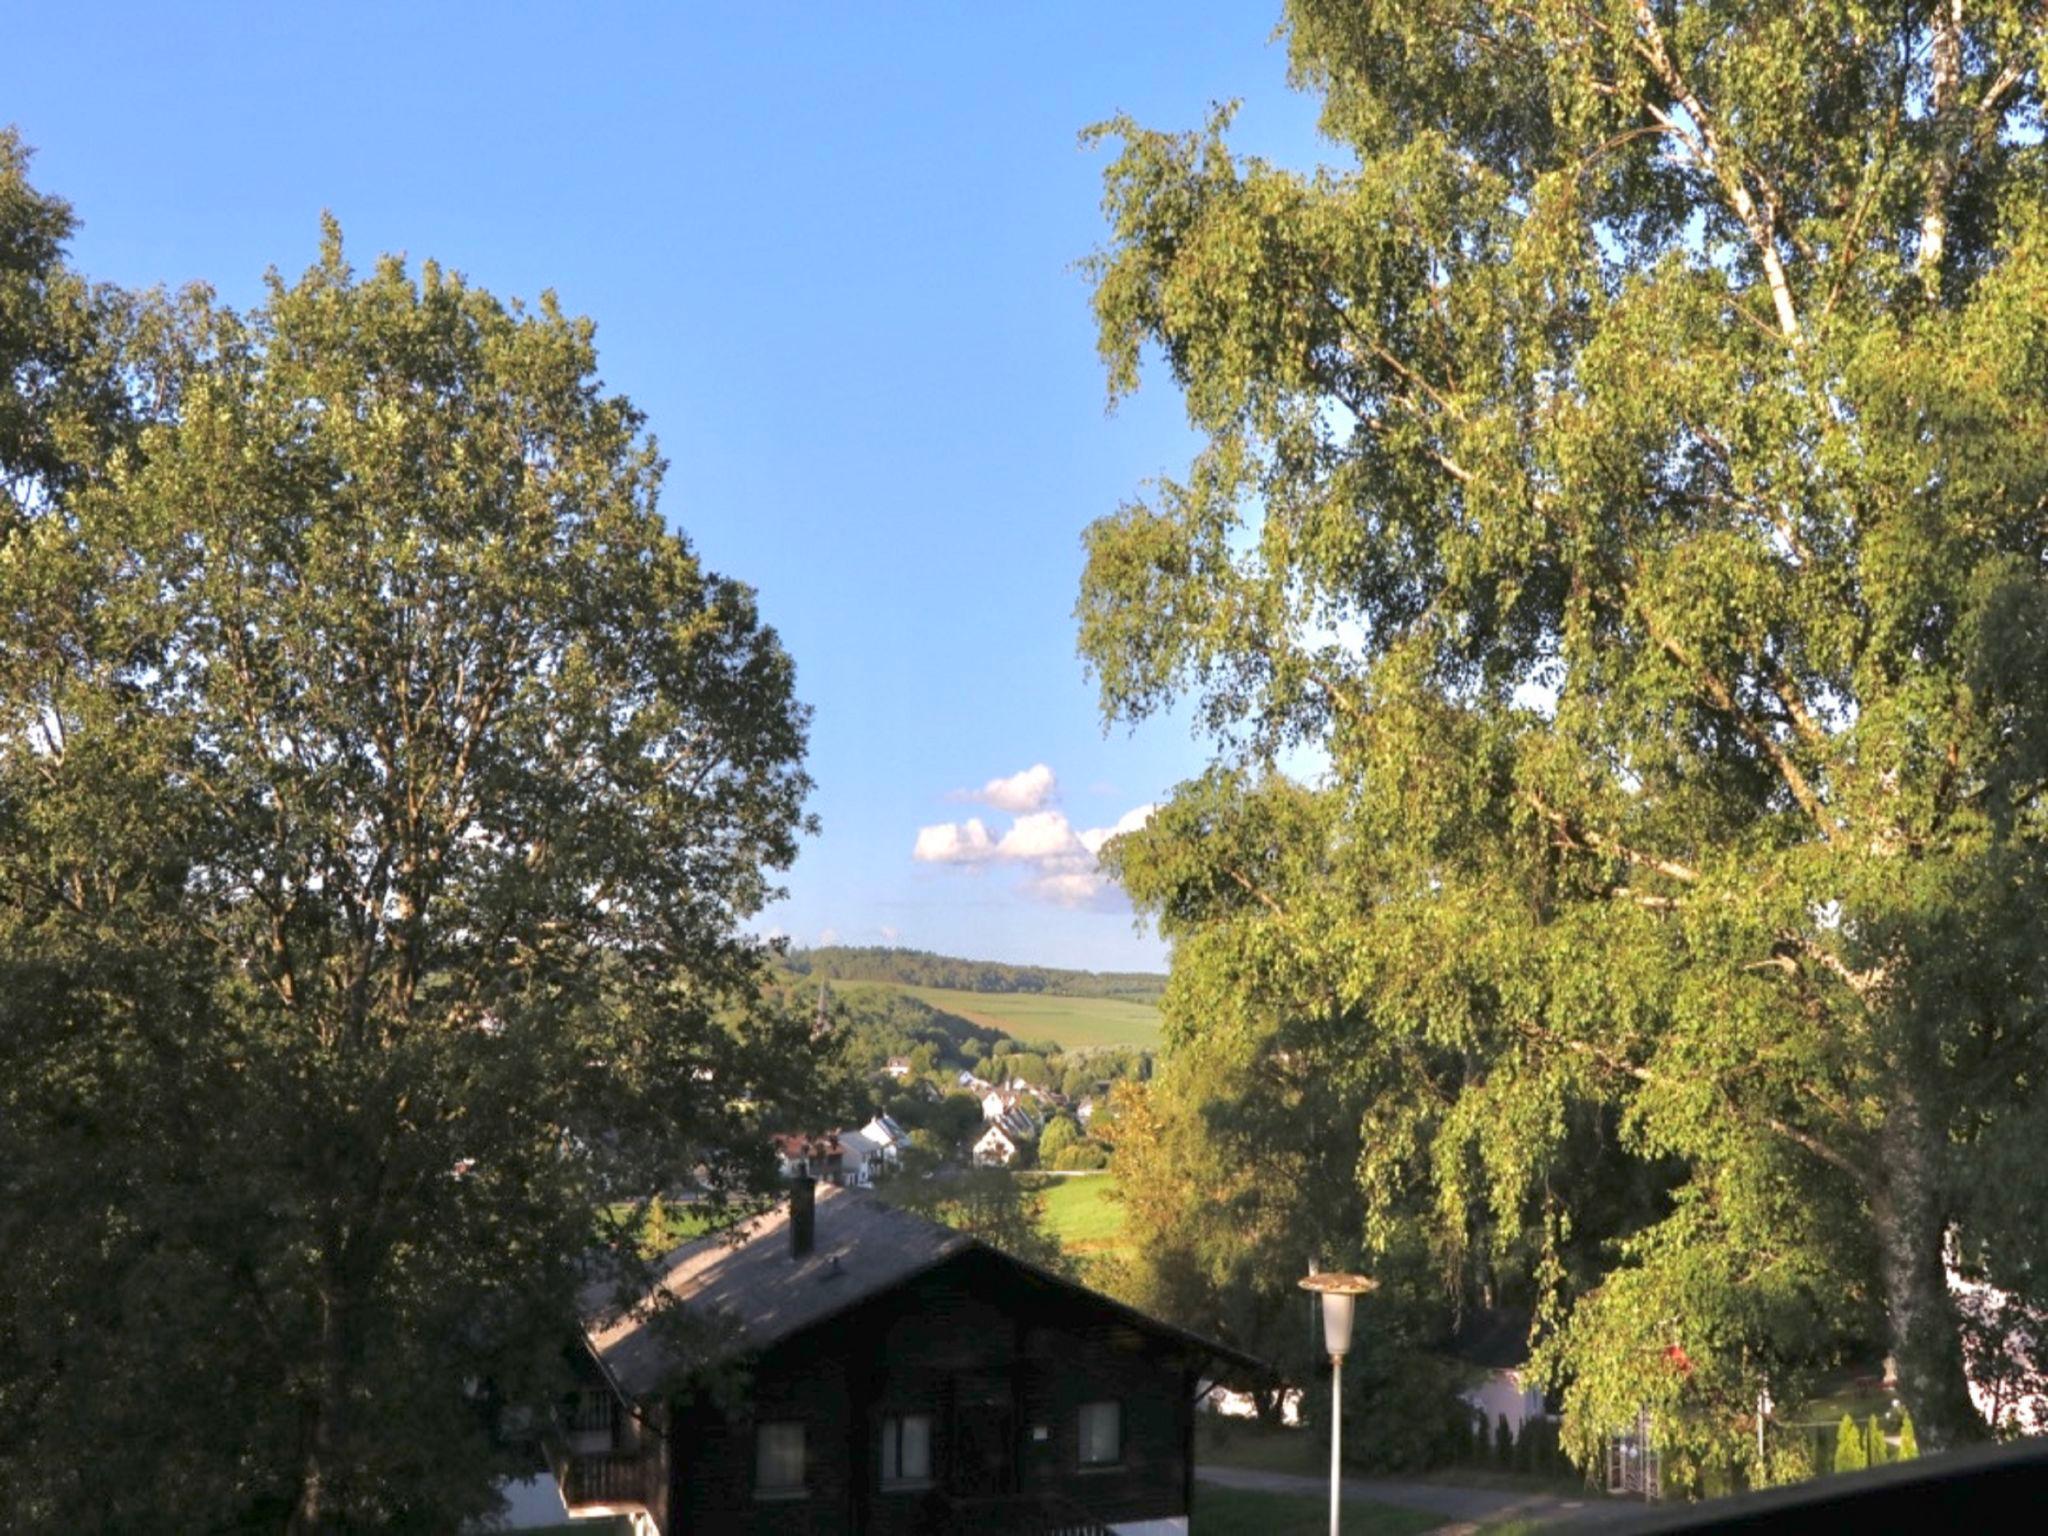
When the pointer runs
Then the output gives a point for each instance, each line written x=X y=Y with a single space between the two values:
x=382 y=787
x=1625 y=476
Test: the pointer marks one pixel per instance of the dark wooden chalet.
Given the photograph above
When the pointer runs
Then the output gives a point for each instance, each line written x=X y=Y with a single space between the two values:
x=895 y=1376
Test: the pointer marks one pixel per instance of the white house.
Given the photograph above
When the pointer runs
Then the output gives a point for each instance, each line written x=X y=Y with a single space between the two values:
x=885 y=1133
x=862 y=1158
x=1493 y=1344
x=1007 y=1104
x=997 y=1148
x=1501 y=1394
x=897 y=1066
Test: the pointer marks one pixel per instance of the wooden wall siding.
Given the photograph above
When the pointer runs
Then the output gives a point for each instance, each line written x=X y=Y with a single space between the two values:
x=991 y=1356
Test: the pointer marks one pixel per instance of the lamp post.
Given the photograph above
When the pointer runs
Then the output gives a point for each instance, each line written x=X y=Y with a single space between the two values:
x=1339 y=1292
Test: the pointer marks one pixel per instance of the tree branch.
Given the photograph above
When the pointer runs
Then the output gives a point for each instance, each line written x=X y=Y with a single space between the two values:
x=1579 y=836
x=1724 y=699
x=1803 y=1139
x=1255 y=890
x=1707 y=151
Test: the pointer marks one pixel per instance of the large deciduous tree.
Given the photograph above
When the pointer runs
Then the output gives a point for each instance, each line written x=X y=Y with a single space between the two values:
x=382 y=787
x=1629 y=477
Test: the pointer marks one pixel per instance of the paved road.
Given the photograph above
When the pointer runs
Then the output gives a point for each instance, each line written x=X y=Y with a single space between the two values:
x=1463 y=1509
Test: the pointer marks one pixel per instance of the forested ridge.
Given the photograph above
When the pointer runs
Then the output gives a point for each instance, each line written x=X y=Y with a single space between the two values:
x=921 y=968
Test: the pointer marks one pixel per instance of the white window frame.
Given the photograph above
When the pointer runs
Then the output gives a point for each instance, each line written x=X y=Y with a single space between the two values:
x=893 y=1474
x=1081 y=1447
x=795 y=1490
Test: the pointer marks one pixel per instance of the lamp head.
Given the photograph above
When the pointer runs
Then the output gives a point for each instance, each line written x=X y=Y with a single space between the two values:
x=1340 y=1293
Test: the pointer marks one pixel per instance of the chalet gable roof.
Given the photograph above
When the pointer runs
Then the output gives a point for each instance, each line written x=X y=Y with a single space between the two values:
x=748 y=1279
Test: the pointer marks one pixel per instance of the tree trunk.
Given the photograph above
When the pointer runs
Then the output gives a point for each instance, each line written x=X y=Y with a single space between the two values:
x=1945 y=77
x=322 y=1434
x=1926 y=1334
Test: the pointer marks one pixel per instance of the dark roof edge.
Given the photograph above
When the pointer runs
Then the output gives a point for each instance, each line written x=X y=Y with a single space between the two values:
x=967 y=1243
x=1211 y=1347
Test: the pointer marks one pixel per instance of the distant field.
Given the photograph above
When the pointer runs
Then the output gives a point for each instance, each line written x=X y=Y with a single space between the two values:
x=1073 y=1021
x=1084 y=1214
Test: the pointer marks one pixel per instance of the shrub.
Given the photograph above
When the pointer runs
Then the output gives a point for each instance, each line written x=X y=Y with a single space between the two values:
x=1503 y=1444
x=1909 y=1446
x=1061 y=1133
x=1849 y=1456
x=1081 y=1157
x=1791 y=1458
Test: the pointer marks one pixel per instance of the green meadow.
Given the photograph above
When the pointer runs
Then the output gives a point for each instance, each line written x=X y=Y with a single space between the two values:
x=1083 y=1213
x=1075 y=1022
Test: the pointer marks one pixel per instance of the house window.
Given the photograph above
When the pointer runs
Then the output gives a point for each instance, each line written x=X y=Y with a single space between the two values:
x=907 y=1450
x=778 y=1461
x=595 y=1411
x=1102 y=1434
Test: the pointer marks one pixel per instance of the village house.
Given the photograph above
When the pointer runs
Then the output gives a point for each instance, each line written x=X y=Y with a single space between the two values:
x=885 y=1133
x=896 y=1377
x=1011 y=1124
x=855 y=1159
x=822 y=1157
x=1011 y=1109
x=998 y=1147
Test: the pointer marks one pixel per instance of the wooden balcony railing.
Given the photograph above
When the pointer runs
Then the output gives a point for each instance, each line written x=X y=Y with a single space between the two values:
x=609 y=1478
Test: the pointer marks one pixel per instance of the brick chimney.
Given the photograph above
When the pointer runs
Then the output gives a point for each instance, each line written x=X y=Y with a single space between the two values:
x=803 y=1215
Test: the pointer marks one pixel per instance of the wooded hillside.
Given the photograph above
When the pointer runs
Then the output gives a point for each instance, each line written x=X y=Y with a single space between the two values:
x=921 y=968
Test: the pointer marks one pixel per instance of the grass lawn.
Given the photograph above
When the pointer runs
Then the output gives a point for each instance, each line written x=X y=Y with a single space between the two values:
x=1084 y=1214
x=1245 y=1512
x=1073 y=1021
x=668 y=1225
x=1227 y=1442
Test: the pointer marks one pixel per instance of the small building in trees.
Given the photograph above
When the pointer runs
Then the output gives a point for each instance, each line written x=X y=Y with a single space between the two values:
x=1493 y=1347
x=892 y=1376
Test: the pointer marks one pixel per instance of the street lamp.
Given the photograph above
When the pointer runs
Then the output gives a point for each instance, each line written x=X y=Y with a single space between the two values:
x=1339 y=1293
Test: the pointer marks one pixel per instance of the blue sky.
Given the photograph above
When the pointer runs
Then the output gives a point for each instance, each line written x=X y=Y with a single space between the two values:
x=831 y=251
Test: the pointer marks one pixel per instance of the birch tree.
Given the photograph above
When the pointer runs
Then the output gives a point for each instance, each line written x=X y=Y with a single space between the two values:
x=1627 y=472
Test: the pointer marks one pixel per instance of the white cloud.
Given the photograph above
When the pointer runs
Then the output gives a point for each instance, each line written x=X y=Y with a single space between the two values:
x=1026 y=790
x=1041 y=835
x=828 y=936
x=1075 y=889
x=1058 y=863
x=954 y=842
x=1130 y=821
x=890 y=934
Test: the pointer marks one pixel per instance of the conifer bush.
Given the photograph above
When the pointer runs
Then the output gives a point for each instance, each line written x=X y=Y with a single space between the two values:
x=1849 y=1456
